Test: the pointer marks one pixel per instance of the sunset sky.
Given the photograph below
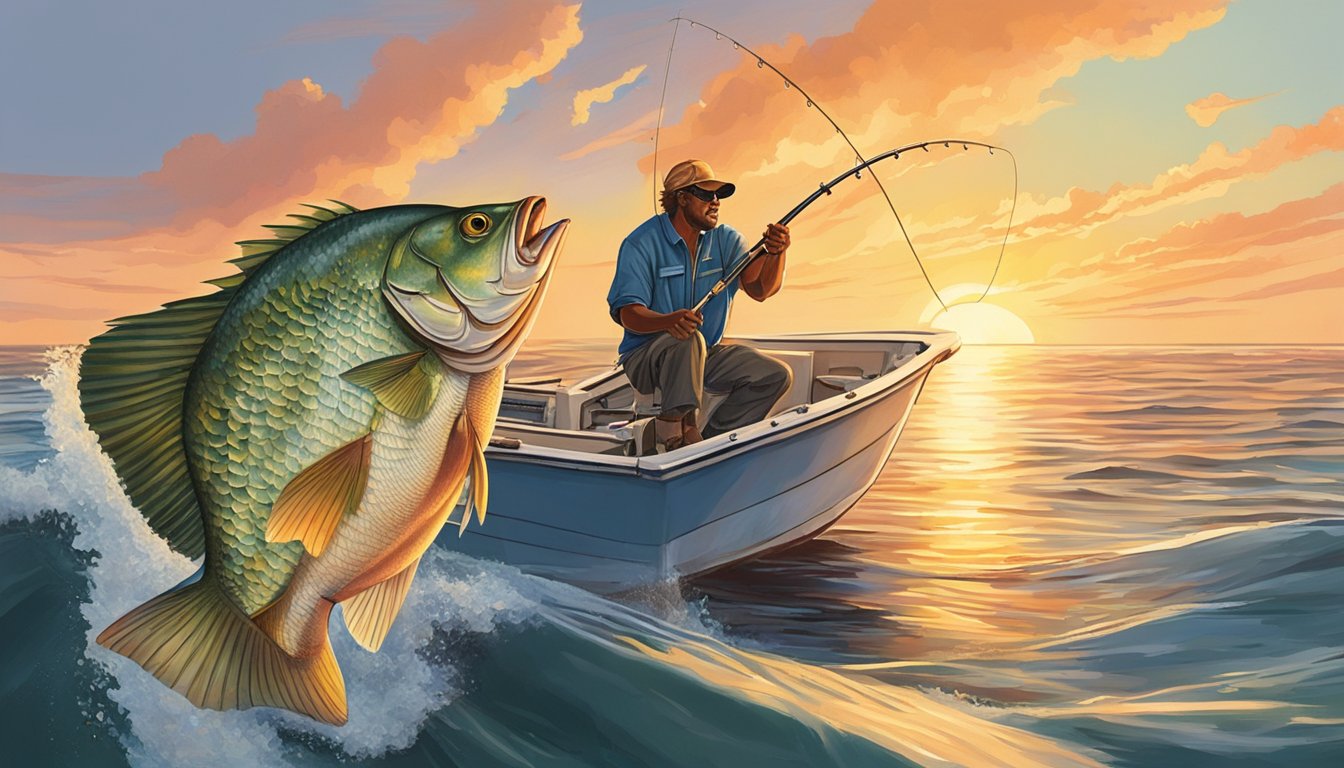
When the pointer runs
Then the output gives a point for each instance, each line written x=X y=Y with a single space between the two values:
x=1181 y=177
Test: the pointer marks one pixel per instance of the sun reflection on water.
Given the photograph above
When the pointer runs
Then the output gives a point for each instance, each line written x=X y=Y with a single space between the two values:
x=1140 y=536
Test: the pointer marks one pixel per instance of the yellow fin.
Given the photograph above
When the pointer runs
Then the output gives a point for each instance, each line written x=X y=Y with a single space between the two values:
x=197 y=642
x=404 y=384
x=369 y=615
x=480 y=485
x=477 y=487
x=313 y=504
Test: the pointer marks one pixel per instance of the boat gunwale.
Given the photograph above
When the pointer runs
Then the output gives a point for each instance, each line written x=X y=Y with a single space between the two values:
x=660 y=468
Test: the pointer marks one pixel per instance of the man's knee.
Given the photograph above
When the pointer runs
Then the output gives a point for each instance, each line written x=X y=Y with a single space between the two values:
x=778 y=377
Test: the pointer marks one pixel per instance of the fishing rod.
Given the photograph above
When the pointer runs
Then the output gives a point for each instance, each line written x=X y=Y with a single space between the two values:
x=861 y=164
x=825 y=189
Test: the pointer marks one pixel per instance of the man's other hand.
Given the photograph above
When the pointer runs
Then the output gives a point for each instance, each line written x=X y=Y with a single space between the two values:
x=776 y=238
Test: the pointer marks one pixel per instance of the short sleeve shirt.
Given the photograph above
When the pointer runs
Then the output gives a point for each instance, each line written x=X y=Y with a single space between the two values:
x=653 y=269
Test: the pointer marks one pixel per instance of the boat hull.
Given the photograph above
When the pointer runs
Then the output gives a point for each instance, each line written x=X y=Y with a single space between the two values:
x=613 y=524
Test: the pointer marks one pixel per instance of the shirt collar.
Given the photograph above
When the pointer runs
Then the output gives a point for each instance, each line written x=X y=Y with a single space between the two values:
x=670 y=232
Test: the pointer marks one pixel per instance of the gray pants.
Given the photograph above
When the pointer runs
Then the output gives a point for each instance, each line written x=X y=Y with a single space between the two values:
x=684 y=370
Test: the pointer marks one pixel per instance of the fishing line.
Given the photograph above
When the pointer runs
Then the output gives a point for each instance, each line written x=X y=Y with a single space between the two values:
x=856 y=172
x=667 y=70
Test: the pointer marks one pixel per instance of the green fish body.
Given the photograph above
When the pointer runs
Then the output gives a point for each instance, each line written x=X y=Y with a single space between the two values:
x=309 y=429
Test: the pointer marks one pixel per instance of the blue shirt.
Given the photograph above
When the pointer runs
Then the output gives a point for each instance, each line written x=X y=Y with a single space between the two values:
x=653 y=268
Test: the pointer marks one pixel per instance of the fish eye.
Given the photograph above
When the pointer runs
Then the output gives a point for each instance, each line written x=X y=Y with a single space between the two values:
x=475 y=225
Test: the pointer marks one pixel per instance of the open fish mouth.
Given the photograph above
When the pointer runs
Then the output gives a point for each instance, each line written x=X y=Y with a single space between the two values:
x=535 y=247
x=480 y=332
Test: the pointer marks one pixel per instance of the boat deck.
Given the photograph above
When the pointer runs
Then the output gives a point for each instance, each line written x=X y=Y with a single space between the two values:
x=603 y=414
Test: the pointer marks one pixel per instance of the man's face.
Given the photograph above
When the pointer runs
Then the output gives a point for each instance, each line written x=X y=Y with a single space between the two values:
x=701 y=214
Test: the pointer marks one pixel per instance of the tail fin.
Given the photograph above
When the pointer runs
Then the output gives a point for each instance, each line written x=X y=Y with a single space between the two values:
x=197 y=642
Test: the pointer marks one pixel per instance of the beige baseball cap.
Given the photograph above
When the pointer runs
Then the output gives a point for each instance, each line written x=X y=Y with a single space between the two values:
x=698 y=172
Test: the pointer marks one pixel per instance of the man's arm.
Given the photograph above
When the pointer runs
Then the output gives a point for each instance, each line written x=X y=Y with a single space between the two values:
x=640 y=319
x=763 y=277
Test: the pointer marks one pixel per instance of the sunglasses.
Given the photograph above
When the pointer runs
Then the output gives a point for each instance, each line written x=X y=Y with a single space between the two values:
x=704 y=195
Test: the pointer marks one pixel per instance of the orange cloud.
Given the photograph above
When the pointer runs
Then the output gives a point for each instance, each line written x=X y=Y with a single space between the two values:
x=1209 y=175
x=307 y=142
x=1205 y=111
x=950 y=68
x=585 y=99
x=1221 y=260
x=170 y=227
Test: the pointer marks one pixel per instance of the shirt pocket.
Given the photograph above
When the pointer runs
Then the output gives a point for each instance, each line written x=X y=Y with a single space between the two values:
x=670 y=291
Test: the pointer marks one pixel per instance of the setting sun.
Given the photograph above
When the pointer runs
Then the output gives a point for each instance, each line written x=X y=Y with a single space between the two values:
x=976 y=323
x=984 y=324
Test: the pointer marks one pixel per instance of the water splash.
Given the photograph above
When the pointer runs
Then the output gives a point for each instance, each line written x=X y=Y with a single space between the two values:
x=133 y=565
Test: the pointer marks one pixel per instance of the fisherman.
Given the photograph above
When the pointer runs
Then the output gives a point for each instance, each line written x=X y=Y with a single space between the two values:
x=664 y=267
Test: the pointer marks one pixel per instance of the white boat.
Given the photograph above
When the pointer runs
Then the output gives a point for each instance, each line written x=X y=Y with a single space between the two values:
x=571 y=498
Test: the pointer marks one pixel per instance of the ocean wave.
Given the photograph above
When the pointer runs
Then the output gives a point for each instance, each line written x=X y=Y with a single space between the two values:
x=416 y=684
x=1123 y=473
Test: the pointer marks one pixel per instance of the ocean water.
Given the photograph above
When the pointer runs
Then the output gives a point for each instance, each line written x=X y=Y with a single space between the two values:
x=1077 y=556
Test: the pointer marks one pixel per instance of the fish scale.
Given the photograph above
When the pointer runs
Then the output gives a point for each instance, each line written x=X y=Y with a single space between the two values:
x=316 y=299
x=406 y=456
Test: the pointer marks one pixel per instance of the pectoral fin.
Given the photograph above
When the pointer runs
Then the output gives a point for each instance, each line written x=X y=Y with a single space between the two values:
x=404 y=384
x=313 y=504
x=369 y=615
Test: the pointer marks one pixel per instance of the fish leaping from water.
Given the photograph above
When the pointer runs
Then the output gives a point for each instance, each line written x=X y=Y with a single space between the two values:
x=309 y=429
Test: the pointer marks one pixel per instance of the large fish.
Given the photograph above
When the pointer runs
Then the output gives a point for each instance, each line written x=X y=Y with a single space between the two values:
x=309 y=428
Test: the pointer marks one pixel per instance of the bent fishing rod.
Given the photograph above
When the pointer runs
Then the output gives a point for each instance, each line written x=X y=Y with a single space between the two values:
x=756 y=251
x=824 y=189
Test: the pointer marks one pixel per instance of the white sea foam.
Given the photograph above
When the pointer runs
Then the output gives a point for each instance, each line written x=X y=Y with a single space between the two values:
x=391 y=693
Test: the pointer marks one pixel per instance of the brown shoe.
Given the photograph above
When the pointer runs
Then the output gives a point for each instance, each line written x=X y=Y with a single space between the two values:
x=671 y=433
x=690 y=435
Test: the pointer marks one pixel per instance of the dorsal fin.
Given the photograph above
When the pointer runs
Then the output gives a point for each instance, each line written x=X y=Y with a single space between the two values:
x=132 y=382
x=256 y=252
